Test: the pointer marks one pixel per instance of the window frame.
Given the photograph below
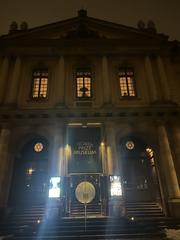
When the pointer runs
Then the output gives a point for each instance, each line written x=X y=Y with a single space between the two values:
x=40 y=70
x=83 y=76
x=128 y=86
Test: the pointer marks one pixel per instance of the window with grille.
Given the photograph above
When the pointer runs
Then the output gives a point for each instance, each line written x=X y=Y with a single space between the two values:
x=126 y=82
x=40 y=84
x=83 y=84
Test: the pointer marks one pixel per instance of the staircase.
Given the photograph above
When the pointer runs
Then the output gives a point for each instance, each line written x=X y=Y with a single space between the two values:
x=40 y=223
x=144 y=210
x=36 y=223
x=79 y=210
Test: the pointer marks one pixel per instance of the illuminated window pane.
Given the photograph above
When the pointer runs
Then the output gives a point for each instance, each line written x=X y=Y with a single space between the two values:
x=126 y=82
x=83 y=84
x=40 y=84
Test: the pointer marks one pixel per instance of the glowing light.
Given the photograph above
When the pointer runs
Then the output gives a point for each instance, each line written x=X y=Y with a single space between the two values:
x=38 y=221
x=102 y=144
x=75 y=124
x=115 y=188
x=132 y=218
x=54 y=188
x=30 y=171
x=93 y=124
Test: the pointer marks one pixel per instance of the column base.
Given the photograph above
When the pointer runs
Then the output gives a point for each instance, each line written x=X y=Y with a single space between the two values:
x=174 y=207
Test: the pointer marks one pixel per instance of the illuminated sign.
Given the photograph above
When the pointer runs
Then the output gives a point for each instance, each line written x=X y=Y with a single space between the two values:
x=54 y=187
x=115 y=186
x=85 y=148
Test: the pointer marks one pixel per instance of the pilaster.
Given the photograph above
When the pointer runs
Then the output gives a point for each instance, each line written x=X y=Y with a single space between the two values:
x=163 y=79
x=112 y=162
x=12 y=91
x=4 y=161
x=106 y=83
x=60 y=82
x=3 y=77
x=168 y=164
x=151 y=80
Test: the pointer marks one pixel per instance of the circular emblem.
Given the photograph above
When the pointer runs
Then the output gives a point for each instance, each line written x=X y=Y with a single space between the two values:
x=38 y=147
x=130 y=145
x=85 y=192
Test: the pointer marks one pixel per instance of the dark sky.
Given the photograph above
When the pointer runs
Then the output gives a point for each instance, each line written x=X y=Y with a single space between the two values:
x=165 y=13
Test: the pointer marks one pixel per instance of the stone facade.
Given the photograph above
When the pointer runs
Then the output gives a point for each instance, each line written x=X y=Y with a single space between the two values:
x=152 y=116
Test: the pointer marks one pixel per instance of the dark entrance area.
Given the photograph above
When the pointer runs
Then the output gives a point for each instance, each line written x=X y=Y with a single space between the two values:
x=140 y=182
x=30 y=175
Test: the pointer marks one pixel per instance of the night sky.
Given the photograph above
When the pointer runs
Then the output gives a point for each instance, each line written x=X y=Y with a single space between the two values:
x=165 y=13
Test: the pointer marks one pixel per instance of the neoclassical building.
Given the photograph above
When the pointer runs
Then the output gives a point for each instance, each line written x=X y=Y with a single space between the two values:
x=89 y=114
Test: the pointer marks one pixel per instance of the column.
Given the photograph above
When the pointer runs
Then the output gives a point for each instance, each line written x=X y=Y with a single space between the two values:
x=60 y=86
x=103 y=157
x=61 y=159
x=56 y=167
x=3 y=77
x=176 y=147
x=4 y=162
x=12 y=91
x=106 y=83
x=112 y=161
x=163 y=79
x=168 y=164
x=151 y=80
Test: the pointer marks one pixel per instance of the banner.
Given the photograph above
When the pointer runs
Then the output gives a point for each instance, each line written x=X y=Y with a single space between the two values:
x=85 y=150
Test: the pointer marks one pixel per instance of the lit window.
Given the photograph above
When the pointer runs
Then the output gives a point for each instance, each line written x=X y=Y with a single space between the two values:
x=38 y=147
x=40 y=84
x=126 y=82
x=83 y=84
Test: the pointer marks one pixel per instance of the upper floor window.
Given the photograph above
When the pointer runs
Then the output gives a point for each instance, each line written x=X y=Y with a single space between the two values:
x=40 y=84
x=126 y=82
x=83 y=84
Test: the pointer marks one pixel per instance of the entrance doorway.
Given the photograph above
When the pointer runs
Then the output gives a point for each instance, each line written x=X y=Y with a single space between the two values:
x=140 y=181
x=86 y=189
x=30 y=175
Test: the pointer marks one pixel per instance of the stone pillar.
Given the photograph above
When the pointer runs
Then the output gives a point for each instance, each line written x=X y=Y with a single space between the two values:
x=106 y=83
x=112 y=161
x=176 y=148
x=60 y=82
x=103 y=158
x=151 y=80
x=61 y=160
x=3 y=77
x=4 y=162
x=168 y=164
x=56 y=164
x=12 y=91
x=163 y=79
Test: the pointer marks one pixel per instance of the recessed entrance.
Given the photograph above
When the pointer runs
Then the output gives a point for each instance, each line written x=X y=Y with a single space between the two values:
x=140 y=181
x=30 y=174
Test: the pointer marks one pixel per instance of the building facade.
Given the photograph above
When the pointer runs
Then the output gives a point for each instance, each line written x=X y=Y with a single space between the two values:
x=96 y=104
